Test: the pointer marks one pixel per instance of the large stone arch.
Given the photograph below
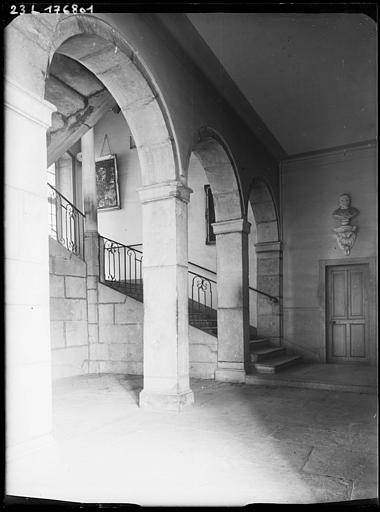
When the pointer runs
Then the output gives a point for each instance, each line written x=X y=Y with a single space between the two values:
x=99 y=47
x=31 y=41
x=269 y=260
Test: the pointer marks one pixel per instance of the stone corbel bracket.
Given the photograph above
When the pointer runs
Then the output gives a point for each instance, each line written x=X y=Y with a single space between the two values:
x=346 y=236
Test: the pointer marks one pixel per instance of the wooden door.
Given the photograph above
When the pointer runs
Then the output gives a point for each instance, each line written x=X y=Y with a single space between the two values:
x=347 y=314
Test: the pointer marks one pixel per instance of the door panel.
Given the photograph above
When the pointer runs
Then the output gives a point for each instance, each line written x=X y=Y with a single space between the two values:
x=347 y=316
x=339 y=341
x=356 y=294
x=357 y=339
x=339 y=294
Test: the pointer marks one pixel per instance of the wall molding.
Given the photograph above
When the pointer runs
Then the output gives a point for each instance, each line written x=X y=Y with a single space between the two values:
x=329 y=155
x=333 y=150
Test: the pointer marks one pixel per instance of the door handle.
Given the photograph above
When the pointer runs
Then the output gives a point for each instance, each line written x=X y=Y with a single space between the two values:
x=332 y=322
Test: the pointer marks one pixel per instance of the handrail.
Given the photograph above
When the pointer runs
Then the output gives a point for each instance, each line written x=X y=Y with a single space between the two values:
x=271 y=297
x=203 y=268
x=202 y=277
x=120 y=244
x=67 y=201
x=119 y=263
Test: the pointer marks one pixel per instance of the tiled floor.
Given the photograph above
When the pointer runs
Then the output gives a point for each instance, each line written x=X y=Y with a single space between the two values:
x=238 y=444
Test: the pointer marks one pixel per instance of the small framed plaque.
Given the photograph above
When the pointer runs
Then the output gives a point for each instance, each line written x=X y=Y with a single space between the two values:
x=107 y=183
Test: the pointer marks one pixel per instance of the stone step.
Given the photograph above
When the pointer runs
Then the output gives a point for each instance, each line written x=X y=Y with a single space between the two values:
x=256 y=343
x=261 y=354
x=276 y=364
x=210 y=330
x=203 y=322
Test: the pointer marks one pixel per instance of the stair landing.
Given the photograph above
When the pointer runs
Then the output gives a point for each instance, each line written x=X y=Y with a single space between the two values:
x=329 y=377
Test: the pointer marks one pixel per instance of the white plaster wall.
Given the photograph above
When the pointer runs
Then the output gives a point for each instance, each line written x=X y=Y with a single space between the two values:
x=64 y=176
x=310 y=192
x=123 y=225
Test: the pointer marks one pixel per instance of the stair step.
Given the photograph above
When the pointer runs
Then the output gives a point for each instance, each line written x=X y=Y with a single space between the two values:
x=210 y=330
x=203 y=321
x=277 y=363
x=257 y=343
x=265 y=353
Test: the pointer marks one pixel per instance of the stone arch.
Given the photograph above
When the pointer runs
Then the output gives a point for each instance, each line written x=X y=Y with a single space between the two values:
x=264 y=210
x=268 y=253
x=231 y=230
x=98 y=47
x=221 y=172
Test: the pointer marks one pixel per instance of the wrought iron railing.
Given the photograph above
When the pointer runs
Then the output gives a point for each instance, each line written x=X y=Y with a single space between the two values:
x=122 y=265
x=66 y=222
x=201 y=293
x=119 y=264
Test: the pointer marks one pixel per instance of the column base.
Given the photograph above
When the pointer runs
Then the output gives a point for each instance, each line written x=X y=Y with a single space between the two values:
x=230 y=375
x=166 y=402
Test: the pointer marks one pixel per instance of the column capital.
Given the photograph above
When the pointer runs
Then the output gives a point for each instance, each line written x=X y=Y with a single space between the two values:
x=231 y=226
x=165 y=190
x=28 y=104
x=268 y=247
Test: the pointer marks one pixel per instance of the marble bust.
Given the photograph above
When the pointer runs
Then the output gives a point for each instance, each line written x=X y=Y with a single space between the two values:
x=345 y=212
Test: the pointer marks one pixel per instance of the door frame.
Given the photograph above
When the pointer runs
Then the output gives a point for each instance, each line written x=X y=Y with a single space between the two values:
x=372 y=302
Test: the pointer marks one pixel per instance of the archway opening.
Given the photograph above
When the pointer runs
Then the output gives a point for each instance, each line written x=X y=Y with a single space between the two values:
x=266 y=259
x=230 y=231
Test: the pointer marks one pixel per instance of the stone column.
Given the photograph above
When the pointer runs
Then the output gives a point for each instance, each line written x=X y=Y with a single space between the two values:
x=269 y=277
x=165 y=278
x=91 y=240
x=27 y=310
x=233 y=299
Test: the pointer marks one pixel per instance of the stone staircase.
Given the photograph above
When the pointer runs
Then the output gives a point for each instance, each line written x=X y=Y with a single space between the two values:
x=268 y=358
x=264 y=356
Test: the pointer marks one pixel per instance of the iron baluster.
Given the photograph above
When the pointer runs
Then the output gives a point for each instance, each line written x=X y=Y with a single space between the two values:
x=66 y=222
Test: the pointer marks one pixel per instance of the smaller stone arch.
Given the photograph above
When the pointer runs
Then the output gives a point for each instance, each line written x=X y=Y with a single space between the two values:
x=268 y=253
x=220 y=168
x=264 y=210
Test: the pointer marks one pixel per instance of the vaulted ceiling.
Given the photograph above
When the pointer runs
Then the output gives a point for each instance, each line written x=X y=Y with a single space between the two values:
x=310 y=78
x=81 y=100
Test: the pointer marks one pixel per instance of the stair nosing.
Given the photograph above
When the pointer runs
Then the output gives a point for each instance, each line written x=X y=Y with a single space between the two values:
x=274 y=362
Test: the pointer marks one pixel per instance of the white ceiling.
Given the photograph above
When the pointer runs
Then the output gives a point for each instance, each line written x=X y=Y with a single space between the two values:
x=310 y=77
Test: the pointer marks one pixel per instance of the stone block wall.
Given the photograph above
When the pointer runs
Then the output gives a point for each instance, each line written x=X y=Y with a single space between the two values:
x=203 y=354
x=120 y=347
x=68 y=312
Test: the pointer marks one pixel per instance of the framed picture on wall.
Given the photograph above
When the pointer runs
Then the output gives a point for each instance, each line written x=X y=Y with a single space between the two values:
x=107 y=183
x=210 y=216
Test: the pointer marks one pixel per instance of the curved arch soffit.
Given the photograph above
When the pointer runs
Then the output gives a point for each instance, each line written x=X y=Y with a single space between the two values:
x=264 y=211
x=101 y=49
x=220 y=169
